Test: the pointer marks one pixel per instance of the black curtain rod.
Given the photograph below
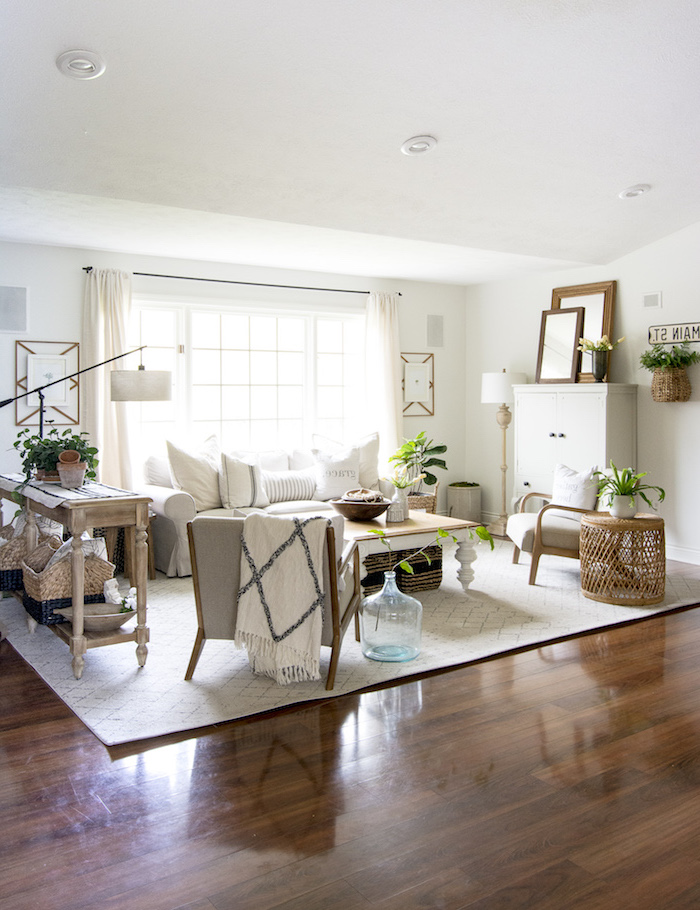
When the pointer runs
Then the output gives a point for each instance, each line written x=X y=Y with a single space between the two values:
x=255 y=284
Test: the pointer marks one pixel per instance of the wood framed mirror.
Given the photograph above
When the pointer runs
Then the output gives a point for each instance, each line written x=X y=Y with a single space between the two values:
x=598 y=301
x=558 y=356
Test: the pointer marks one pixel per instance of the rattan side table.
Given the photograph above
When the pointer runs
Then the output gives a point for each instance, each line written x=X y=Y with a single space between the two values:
x=623 y=560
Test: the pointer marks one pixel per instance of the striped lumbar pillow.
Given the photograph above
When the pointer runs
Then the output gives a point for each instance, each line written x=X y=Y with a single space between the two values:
x=289 y=486
x=240 y=485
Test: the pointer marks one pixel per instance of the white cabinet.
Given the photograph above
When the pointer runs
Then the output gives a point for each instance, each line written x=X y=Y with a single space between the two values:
x=579 y=425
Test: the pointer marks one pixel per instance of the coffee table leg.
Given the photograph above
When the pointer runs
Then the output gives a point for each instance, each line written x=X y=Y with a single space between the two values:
x=466 y=554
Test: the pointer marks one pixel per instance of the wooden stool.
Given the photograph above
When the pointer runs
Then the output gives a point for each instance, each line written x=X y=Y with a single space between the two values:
x=623 y=560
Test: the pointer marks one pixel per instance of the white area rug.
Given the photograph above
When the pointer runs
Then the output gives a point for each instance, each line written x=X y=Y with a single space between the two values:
x=120 y=702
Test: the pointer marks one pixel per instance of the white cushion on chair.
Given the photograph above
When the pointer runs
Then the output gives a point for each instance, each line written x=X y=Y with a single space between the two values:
x=556 y=531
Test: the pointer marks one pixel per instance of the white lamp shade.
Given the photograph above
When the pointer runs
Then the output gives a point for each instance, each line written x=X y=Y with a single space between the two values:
x=141 y=385
x=497 y=388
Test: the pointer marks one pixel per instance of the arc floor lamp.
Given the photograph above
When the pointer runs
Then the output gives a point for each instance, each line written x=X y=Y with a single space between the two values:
x=126 y=385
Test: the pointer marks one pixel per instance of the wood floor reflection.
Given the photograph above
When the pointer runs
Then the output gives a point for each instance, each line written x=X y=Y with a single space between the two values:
x=563 y=777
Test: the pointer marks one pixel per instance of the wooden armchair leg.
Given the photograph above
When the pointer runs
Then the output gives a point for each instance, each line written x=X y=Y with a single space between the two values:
x=533 y=567
x=196 y=651
x=516 y=554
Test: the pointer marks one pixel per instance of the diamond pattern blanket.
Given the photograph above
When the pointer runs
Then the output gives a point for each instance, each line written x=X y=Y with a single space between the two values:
x=281 y=598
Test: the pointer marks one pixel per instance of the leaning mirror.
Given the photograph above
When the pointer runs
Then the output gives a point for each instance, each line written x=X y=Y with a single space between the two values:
x=558 y=356
x=598 y=300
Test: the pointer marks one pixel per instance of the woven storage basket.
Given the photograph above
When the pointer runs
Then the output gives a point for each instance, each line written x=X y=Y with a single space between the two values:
x=670 y=385
x=427 y=501
x=55 y=583
x=43 y=610
x=12 y=555
x=425 y=578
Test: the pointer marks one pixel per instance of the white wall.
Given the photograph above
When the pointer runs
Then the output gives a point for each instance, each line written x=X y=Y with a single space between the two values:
x=503 y=323
x=55 y=281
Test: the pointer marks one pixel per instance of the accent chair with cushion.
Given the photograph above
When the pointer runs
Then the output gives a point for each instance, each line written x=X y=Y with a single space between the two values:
x=215 y=552
x=555 y=529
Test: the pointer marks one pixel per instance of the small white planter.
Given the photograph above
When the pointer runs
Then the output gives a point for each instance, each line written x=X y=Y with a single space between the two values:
x=623 y=506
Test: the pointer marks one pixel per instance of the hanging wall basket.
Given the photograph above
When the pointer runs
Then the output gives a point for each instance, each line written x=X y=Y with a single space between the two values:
x=670 y=385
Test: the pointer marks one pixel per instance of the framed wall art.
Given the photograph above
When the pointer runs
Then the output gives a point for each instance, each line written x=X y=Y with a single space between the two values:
x=418 y=384
x=38 y=363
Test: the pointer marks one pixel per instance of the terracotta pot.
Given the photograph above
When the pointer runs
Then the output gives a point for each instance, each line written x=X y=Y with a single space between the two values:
x=70 y=456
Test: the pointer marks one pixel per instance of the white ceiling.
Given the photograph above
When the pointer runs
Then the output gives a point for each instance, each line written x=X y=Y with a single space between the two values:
x=267 y=132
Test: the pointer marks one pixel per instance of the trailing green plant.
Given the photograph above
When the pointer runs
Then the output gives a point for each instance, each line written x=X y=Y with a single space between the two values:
x=440 y=534
x=41 y=453
x=626 y=483
x=661 y=357
x=416 y=455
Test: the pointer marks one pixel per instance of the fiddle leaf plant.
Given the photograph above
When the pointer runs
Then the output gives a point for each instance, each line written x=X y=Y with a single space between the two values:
x=417 y=455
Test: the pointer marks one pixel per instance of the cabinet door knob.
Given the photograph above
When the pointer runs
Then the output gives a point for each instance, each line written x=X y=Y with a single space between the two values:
x=526 y=483
x=552 y=434
x=561 y=435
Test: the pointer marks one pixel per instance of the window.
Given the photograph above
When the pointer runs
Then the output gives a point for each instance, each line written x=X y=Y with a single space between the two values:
x=257 y=378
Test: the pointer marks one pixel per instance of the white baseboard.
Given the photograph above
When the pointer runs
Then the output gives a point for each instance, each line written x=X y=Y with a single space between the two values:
x=683 y=554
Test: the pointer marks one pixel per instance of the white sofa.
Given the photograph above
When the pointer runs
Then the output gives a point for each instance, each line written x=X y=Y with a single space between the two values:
x=184 y=485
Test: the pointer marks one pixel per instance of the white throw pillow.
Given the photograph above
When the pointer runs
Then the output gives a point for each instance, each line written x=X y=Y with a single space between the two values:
x=241 y=485
x=577 y=489
x=336 y=473
x=289 y=486
x=197 y=475
x=368 y=448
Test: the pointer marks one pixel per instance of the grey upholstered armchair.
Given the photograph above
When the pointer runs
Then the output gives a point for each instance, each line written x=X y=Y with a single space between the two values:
x=215 y=551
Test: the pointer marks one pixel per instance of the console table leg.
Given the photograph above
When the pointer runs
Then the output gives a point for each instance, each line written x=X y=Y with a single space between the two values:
x=466 y=554
x=78 y=663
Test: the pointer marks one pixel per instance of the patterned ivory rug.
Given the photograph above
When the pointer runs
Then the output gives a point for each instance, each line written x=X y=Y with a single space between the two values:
x=120 y=702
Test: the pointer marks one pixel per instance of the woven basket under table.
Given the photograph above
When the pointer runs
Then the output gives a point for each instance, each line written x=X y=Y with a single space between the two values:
x=43 y=610
x=13 y=553
x=55 y=582
x=426 y=577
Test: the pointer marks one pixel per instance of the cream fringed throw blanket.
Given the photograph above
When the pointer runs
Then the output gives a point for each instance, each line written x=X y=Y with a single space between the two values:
x=280 y=601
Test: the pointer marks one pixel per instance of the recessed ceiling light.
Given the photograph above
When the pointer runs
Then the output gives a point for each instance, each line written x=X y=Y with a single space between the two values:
x=637 y=190
x=80 y=64
x=418 y=145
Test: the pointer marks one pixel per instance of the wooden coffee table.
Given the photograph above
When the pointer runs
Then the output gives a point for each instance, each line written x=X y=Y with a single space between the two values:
x=417 y=531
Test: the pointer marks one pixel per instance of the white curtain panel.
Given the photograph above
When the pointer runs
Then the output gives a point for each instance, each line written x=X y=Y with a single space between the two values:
x=106 y=311
x=383 y=368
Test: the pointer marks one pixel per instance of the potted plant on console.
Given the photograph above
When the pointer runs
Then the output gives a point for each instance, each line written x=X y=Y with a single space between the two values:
x=42 y=457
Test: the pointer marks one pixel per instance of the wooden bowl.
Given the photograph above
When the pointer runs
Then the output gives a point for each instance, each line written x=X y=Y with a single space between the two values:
x=99 y=617
x=360 y=511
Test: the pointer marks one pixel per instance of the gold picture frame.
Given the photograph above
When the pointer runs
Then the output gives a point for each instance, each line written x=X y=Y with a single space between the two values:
x=598 y=301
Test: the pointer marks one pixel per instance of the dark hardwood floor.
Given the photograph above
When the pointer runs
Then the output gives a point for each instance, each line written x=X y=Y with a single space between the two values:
x=563 y=777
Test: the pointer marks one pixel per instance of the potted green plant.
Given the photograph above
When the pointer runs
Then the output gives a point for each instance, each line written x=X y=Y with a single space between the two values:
x=40 y=455
x=621 y=488
x=417 y=455
x=670 y=380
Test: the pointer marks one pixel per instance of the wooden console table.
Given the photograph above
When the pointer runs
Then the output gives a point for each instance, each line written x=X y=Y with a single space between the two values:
x=94 y=506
